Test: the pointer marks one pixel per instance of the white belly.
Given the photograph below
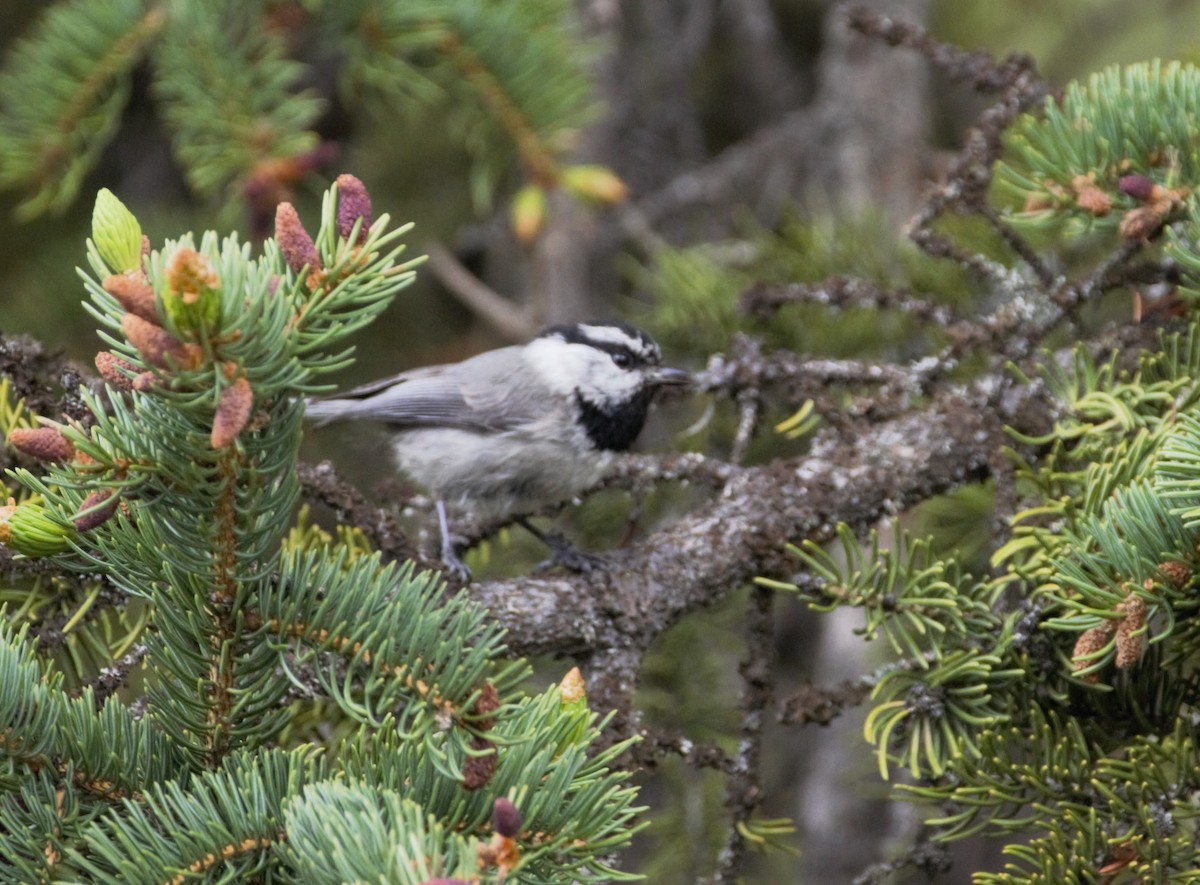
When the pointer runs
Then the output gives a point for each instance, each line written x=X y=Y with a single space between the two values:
x=500 y=474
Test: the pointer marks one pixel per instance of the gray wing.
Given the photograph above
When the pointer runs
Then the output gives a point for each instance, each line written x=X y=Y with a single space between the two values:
x=479 y=394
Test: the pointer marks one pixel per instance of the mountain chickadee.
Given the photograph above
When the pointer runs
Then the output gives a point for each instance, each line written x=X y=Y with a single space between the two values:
x=515 y=429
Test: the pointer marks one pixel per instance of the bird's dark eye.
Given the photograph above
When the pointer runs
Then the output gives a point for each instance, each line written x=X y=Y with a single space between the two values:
x=622 y=360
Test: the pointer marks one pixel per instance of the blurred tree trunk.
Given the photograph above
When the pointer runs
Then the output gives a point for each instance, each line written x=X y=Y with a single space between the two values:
x=844 y=130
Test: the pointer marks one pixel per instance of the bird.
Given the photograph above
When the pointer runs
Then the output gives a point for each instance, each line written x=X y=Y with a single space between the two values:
x=510 y=431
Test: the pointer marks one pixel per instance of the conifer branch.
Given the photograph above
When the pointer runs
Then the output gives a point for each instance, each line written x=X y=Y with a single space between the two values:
x=537 y=159
x=228 y=90
x=174 y=491
x=63 y=91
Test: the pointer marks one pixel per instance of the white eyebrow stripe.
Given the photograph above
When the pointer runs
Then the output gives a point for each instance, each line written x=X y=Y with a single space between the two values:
x=615 y=336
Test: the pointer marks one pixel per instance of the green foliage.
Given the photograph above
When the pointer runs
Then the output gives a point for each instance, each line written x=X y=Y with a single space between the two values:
x=63 y=93
x=1116 y=156
x=930 y=709
x=696 y=292
x=391 y=838
x=1052 y=698
x=509 y=79
x=1132 y=120
x=499 y=75
x=175 y=504
x=229 y=93
x=398 y=667
x=1051 y=702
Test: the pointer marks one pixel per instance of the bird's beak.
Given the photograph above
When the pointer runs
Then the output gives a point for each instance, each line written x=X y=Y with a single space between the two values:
x=668 y=377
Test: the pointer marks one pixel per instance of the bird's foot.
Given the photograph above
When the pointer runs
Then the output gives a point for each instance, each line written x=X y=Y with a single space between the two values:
x=454 y=566
x=566 y=554
x=574 y=560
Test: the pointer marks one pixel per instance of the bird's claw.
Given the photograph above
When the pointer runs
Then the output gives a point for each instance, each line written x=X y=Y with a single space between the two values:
x=454 y=566
x=570 y=557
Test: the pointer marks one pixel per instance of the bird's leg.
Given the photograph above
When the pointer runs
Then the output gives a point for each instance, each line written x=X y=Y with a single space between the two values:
x=450 y=559
x=563 y=551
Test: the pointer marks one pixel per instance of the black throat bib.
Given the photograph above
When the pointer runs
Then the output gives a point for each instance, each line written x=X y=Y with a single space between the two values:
x=614 y=428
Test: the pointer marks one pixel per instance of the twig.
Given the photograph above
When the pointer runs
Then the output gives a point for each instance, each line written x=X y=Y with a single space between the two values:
x=744 y=790
x=321 y=482
x=927 y=856
x=112 y=678
x=966 y=189
x=840 y=293
x=501 y=314
x=1018 y=244
x=811 y=704
x=981 y=68
x=655 y=744
x=749 y=403
x=33 y=374
x=881 y=390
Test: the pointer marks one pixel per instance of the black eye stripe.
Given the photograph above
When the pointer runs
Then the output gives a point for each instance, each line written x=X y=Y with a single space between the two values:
x=624 y=356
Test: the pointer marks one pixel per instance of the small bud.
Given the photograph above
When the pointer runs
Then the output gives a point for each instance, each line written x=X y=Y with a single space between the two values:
x=293 y=240
x=133 y=293
x=96 y=509
x=1092 y=199
x=574 y=707
x=528 y=213
x=1131 y=637
x=233 y=411
x=1139 y=187
x=353 y=203
x=478 y=769
x=192 y=298
x=487 y=703
x=1140 y=223
x=1088 y=196
x=43 y=443
x=1038 y=203
x=596 y=184
x=1176 y=573
x=572 y=687
x=154 y=343
x=144 y=382
x=1089 y=642
x=115 y=370
x=6 y=513
x=1168 y=200
x=116 y=233
x=28 y=529
x=506 y=820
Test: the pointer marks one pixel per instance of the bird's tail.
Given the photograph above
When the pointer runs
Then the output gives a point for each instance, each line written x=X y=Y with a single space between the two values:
x=321 y=412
